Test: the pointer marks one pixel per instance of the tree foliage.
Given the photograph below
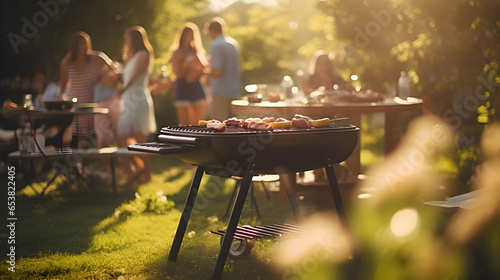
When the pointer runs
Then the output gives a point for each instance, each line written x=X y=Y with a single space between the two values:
x=445 y=45
x=275 y=40
x=105 y=21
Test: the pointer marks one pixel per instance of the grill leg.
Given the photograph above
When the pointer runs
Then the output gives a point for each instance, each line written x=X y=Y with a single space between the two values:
x=233 y=222
x=337 y=198
x=236 y=186
x=186 y=213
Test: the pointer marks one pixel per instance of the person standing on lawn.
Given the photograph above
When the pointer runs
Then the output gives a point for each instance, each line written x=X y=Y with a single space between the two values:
x=224 y=70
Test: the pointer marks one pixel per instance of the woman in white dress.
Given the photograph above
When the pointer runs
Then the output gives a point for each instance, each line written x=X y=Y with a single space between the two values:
x=137 y=119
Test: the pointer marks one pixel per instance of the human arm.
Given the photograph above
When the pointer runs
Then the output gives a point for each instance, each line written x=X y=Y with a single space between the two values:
x=216 y=72
x=107 y=63
x=64 y=77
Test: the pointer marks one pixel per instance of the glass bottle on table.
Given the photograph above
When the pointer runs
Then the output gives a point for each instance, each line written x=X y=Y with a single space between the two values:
x=286 y=87
x=26 y=141
x=404 y=86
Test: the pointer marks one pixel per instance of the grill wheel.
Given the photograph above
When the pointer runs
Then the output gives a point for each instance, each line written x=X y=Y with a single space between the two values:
x=239 y=247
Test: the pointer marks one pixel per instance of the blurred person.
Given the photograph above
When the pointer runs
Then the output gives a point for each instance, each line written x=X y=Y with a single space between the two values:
x=38 y=85
x=137 y=118
x=106 y=96
x=188 y=62
x=323 y=73
x=225 y=80
x=53 y=89
x=79 y=72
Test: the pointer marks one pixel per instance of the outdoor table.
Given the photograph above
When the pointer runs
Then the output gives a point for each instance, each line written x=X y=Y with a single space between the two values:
x=66 y=161
x=393 y=109
x=43 y=116
x=58 y=118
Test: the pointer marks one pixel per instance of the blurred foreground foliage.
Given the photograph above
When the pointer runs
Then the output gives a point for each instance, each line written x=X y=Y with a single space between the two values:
x=394 y=233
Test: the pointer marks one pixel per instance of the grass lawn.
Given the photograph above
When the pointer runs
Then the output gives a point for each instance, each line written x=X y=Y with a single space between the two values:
x=72 y=234
x=95 y=234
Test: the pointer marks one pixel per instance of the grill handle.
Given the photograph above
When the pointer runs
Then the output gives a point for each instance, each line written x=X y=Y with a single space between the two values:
x=177 y=139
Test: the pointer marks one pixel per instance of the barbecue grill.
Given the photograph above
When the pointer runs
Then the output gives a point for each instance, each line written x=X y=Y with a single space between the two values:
x=243 y=152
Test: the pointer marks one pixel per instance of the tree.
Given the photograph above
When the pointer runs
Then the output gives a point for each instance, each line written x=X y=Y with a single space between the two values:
x=275 y=40
x=446 y=46
x=36 y=33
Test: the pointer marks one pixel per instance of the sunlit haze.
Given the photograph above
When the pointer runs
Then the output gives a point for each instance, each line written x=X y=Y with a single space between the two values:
x=218 y=5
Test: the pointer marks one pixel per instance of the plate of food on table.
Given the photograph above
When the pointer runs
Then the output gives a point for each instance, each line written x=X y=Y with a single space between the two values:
x=339 y=95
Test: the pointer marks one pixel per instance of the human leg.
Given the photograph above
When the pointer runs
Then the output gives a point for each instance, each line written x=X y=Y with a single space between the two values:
x=199 y=111
x=143 y=163
x=182 y=110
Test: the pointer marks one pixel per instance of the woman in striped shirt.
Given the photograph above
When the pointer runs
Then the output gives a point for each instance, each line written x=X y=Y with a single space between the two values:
x=79 y=71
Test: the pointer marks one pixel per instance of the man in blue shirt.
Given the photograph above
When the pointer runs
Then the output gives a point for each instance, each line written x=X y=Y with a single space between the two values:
x=224 y=69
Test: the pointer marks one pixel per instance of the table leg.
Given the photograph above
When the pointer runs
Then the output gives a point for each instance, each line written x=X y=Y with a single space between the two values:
x=113 y=175
x=48 y=184
x=288 y=181
x=392 y=131
x=233 y=222
x=186 y=213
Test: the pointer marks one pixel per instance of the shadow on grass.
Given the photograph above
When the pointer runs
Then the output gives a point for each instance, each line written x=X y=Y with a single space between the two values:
x=62 y=223
x=198 y=255
x=80 y=234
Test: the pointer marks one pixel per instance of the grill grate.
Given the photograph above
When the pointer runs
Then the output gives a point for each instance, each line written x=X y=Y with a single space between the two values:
x=267 y=231
x=202 y=130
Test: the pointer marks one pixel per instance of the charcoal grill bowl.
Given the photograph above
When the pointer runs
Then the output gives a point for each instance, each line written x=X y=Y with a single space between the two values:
x=273 y=153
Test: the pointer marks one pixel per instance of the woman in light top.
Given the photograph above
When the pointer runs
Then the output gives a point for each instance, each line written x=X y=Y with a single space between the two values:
x=188 y=62
x=137 y=119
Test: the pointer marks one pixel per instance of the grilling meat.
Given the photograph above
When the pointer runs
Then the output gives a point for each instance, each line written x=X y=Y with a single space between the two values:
x=204 y=123
x=260 y=125
x=217 y=126
x=268 y=123
x=246 y=122
x=308 y=119
x=300 y=123
x=233 y=121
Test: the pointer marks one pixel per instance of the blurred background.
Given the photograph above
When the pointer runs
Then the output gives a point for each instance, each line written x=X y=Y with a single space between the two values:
x=450 y=50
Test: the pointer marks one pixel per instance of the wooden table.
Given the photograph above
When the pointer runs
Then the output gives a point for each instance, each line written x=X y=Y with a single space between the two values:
x=394 y=109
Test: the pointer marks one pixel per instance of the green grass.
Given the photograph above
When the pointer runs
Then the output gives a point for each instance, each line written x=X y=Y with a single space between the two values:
x=72 y=234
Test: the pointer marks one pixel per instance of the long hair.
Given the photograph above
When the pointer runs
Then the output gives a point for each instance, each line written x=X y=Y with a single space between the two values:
x=195 y=44
x=217 y=25
x=319 y=55
x=74 y=44
x=331 y=71
x=138 y=41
